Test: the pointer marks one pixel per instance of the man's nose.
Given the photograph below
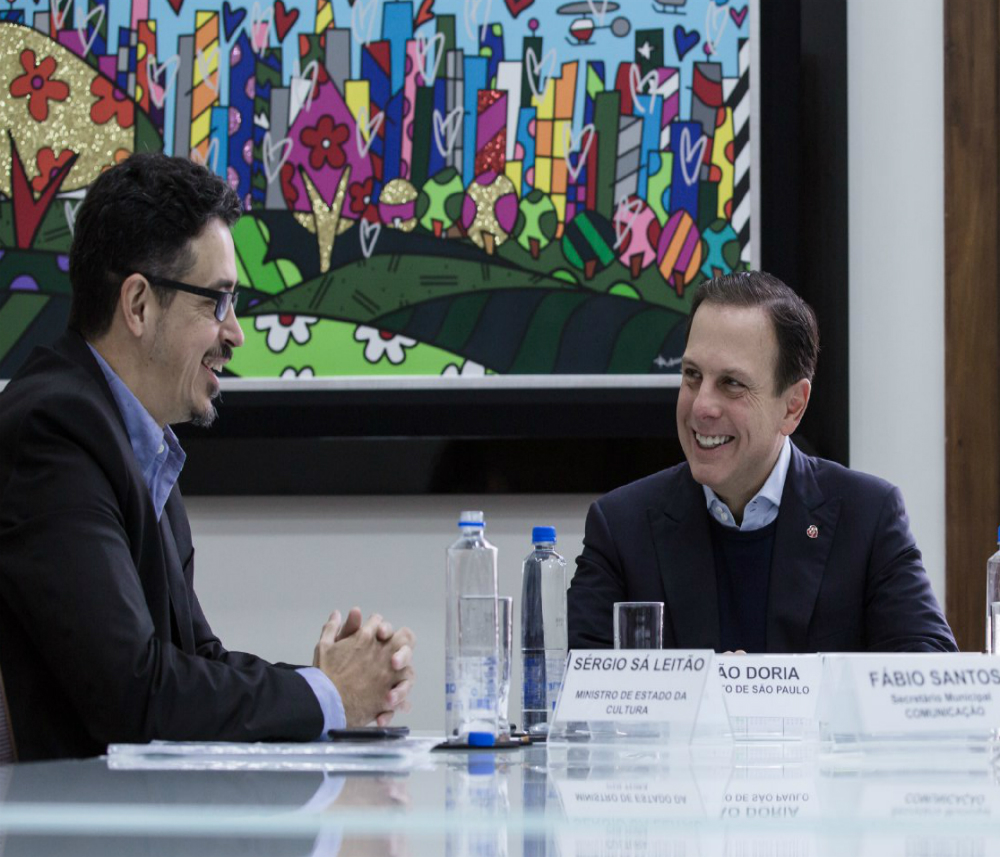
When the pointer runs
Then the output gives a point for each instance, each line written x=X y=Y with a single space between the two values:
x=707 y=404
x=232 y=333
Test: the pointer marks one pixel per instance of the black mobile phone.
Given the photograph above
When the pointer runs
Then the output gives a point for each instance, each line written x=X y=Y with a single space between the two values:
x=369 y=733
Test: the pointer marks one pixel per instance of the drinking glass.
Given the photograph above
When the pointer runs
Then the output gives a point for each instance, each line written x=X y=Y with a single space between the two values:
x=638 y=624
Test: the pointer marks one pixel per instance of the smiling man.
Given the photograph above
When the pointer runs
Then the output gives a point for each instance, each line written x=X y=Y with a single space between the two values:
x=752 y=544
x=102 y=638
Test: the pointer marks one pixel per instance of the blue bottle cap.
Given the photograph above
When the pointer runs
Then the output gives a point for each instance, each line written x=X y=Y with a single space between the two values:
x=481 y=739
x=543 y=534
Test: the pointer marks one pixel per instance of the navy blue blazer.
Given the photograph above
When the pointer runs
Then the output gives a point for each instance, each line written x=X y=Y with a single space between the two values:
x=859 y=585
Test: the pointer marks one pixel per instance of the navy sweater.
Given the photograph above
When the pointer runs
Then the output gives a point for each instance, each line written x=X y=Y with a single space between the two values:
x=742 y=572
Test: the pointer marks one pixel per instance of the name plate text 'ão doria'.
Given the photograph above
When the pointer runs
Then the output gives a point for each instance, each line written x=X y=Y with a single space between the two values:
x=634 y=685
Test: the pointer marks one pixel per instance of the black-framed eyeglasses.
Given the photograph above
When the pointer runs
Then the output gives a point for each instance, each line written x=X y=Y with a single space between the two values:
x=223 y=300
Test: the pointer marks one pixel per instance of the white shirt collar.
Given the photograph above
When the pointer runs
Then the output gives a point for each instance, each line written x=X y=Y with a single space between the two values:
x=763 y=508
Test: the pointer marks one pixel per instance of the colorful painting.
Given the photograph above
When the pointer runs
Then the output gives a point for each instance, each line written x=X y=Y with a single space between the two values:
x=436 y=187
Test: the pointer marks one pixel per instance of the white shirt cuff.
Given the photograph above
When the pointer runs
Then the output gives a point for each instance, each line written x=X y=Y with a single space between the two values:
x=328 y=698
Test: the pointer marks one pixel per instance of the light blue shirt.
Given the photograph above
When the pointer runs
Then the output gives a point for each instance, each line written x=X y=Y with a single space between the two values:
x=160 y=459
x=157 y=450
x=763 y=508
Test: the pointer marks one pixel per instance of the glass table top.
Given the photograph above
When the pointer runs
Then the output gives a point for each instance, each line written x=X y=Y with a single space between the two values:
x=790 y=798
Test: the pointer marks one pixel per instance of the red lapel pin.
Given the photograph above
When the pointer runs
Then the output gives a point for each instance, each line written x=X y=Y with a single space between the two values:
x=812 y=531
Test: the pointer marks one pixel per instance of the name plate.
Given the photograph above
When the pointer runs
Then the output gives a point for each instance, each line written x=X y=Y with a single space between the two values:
x=771 y=695
x=919 y=694
x=656 y=687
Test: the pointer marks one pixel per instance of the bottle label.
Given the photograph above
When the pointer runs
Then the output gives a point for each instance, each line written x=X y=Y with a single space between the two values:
x=555 y=666
x=534 y=698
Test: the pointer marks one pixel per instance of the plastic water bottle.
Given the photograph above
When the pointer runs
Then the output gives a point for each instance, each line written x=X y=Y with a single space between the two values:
x=543 y=630
x=472 y=639
x=993 y=601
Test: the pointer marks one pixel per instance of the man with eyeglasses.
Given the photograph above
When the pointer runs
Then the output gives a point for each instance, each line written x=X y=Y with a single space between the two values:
x=102 y=638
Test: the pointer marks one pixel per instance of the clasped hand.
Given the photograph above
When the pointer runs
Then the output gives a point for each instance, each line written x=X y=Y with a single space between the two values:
x=370 y=665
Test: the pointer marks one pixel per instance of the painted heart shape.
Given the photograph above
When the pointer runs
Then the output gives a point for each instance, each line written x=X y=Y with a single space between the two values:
x=473 y=19
x=691 y=156
x=161 y=77
x=275 y=155
x=87 y=42
x=539 y=71
x=231 y=19
x=370 y=127
x=302 y=90
x=211 y=157
x=176 y=5
x=639 y=85
x=685 y=40
x=423 y=46
x=70 y=209
x=204 y=61
x=58 y=10
x=261 y=21
x=738 y=15
x=576 y=143
x=628 y=210
x=363 y=17
x=516 y=7
x=369 y=234
x=446 y=130
x=716 y=19
x=283 y=19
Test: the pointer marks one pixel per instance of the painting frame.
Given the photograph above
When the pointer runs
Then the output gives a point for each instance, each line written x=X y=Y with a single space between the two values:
x=555 y=434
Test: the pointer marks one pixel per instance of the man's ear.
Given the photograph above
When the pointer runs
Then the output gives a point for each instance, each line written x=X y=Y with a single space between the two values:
x=796 y=398
x=137 y=304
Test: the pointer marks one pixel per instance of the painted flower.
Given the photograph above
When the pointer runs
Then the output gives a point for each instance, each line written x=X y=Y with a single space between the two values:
x=281 y=328
x=36 y=83
x=469 y=368
x=304 y=372
x=48 y=166
x=361 y=195
x=111 y=103
x=288 y=189
x=381 y=343
x=326 y=141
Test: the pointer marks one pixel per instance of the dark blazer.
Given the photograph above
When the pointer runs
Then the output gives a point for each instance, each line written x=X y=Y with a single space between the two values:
x=102 y=638
x=859 y=585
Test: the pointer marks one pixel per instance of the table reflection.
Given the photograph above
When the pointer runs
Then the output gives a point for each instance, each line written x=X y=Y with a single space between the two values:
x=784 y=799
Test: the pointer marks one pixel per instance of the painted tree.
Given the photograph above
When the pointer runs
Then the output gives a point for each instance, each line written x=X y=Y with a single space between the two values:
x=489 y=210
x=439 y=203
x=397 y=205
x=637 y=232
x=537 y=222
x=588 y=242
x=679 y=251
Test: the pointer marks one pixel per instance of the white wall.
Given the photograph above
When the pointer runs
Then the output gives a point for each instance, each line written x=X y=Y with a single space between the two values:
x=270 y=570
x=896 y=212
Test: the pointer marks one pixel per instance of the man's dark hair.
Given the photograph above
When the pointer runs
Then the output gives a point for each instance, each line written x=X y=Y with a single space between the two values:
x=139 y=216
x=794 y=321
